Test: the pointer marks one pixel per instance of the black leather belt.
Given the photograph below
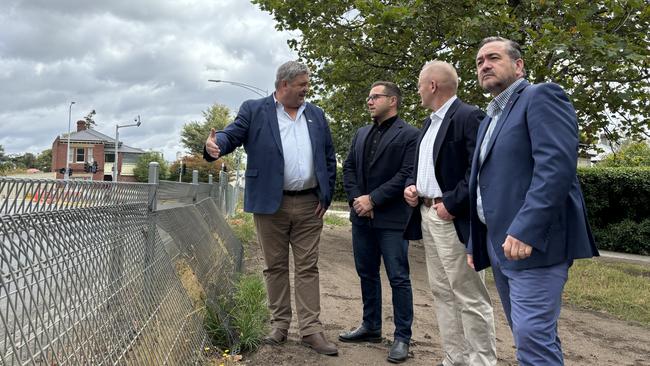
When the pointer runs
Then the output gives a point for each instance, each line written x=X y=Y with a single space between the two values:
x=299 y=193
x=430 y=201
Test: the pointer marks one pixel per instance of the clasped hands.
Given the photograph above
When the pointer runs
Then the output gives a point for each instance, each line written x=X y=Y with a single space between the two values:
x=411 y=197
x=363 y=206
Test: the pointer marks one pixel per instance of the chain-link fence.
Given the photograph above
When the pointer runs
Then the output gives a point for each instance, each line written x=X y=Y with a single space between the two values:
x=89 y=271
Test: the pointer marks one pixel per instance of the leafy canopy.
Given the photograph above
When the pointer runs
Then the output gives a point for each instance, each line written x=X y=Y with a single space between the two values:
x=141 y=170
x=194 y=133
x=597 y=50
x=631 y=154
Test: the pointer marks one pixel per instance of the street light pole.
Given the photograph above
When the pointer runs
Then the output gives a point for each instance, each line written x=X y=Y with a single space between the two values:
x=117 y=135
x=66 y=176
x=259 y=91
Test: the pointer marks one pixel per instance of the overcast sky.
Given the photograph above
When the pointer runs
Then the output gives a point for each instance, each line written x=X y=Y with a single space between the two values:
x=125 y=58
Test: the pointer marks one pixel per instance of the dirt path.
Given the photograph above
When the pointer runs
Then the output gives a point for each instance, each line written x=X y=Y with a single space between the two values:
x=587 y=338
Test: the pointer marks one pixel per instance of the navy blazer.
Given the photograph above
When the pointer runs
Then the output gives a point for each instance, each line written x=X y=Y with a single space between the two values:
x=452 y=156
x=389 y=169
x=256 y=127
x=529 y=187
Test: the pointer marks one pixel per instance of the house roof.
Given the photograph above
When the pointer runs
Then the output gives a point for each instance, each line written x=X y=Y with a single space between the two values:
x=90 y=135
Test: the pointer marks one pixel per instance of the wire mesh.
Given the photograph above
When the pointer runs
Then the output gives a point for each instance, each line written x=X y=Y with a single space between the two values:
x=92 y=280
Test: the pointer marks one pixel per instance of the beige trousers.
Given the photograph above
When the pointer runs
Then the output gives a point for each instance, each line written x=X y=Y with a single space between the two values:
x=463 y=306
x=296 y=225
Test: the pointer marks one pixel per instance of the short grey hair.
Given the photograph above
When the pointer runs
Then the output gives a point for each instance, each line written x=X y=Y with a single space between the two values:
x=512 y=48
x=289 y=71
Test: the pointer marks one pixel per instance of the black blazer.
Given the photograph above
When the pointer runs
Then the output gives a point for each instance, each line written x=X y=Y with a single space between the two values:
x=391 y=166
x=452 y=155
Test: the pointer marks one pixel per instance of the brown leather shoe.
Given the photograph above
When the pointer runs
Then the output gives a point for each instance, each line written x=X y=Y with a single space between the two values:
x=276 y=337
x=319 y=343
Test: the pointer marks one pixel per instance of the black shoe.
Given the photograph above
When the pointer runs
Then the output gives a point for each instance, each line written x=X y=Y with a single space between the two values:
x=398 y=353
x=360 y=334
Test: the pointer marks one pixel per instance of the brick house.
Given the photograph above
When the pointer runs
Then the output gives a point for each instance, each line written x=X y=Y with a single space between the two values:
x=92 y=156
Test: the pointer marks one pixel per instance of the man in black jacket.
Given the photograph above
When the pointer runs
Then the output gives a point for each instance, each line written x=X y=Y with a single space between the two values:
x=374 y=174
x=439 y=186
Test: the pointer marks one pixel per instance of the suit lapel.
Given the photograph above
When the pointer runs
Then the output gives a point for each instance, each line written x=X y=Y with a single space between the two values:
x=391 y=133
x=312 y=127
x=361 y=143
x=272 y=120
x=444 y=126
x=504 y=116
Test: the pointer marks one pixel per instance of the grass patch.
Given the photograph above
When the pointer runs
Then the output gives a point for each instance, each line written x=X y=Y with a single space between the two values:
x=334 y=220
x=243 y=226
x=239 y=322
x=620 y=289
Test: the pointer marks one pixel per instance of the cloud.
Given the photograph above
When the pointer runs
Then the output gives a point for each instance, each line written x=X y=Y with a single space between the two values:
x=126 y=58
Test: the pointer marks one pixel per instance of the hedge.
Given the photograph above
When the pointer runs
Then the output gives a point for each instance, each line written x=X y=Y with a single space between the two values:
x=618 y=206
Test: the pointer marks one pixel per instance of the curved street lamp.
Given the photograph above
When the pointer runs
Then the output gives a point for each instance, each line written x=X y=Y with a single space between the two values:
x=117 y=143
x=259 y=91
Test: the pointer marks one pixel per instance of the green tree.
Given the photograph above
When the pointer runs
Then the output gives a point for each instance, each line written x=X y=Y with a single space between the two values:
x=44 y=160
x=4 y=166
x=89 y=121
x=194 y=133
x=631 y=154
x=597 y=50
x=23 y=161
x=195 y=162
x=141 y=170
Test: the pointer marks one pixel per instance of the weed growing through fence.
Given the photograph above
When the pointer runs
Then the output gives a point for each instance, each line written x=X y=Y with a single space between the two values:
x=620 y=289
x=240 y=321
x=243 y=226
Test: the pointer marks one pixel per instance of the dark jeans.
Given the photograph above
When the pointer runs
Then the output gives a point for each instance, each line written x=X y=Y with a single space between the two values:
x=370 y=245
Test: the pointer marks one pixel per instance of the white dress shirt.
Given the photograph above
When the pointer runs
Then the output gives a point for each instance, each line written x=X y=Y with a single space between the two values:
x=426 y=182
x=296 y=149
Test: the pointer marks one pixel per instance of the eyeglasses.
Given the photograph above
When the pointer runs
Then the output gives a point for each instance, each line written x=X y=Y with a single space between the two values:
x=376 y=96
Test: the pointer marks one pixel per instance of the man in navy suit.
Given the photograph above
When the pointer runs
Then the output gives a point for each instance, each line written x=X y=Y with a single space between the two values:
x=380 y=160
x=527 y=215
x=438 y=186
x=290 y=174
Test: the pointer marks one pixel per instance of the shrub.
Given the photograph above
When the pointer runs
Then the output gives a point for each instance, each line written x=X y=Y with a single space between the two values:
x=615 y=194
x=626 y=236
x=617 y=206
x=239 y=322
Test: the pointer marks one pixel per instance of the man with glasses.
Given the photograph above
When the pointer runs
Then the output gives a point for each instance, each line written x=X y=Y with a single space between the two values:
x=380 y=160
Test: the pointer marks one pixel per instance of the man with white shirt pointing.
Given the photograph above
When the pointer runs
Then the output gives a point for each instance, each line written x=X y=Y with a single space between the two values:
x=290 y=174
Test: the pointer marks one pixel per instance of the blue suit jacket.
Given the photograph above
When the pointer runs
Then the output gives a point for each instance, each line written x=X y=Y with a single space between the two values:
x=256 y=127
x=391 y=166
x=529 y=187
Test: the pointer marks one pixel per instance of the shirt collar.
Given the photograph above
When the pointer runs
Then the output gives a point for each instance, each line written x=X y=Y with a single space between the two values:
x=386 y=124
x=280 y=106
x=442 y=111
x=499 y=102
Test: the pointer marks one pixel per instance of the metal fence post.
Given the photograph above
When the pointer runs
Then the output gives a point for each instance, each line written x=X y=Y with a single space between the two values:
x=195 y=182
x=209 y=178
x=150 y=297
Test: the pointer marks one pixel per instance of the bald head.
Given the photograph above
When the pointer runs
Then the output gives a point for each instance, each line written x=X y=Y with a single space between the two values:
x=437 y=83
x=443 y=74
